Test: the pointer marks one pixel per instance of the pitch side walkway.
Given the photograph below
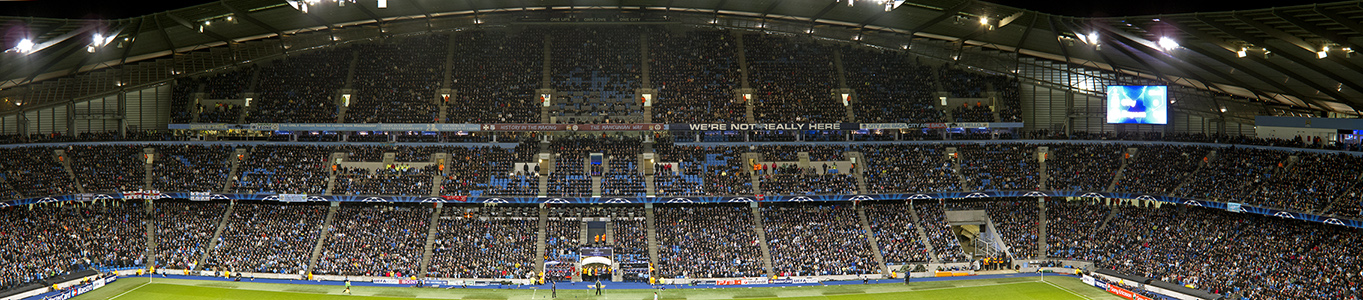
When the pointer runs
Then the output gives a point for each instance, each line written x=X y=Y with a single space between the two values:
x=612 y=285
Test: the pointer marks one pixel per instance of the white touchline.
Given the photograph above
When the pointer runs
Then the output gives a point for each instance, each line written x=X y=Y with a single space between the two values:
x=129 y=291
x=1067 y=290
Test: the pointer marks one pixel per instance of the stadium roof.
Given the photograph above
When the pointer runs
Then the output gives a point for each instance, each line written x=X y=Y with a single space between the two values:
x=1298 y=56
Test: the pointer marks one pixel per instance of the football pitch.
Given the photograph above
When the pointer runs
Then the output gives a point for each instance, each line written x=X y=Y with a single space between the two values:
x=1053 y=287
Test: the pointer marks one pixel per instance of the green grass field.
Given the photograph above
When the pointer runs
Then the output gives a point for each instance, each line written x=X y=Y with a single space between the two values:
x=992 y=289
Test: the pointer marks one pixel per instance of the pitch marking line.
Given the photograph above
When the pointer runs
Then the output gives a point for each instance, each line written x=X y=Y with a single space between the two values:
x=1061 y=288
x=129 y=291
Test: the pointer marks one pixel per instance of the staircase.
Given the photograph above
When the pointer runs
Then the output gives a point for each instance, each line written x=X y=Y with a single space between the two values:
x=1111 y=214
x=743 y=74
x=5 y=183
x=65 y=161
x=956 y=168
x=217 y=234
x=1041 y=221
x=151 y=233
x=858 y=171
x=923 y=235
x=762 y=236
x=874 y=242
x=322 y=233
x=1343 y=195
x=1041 y=171
x=1118 y=177
x=652 y=234
x=596 y=186
x=644 y=62
x=148 y=168
x=430 y=238
x=850 y=116
x=331 y=175
x=349 y=83
x=1211 y=157
x=541 y=236
x=236 y=164
x=546 y=78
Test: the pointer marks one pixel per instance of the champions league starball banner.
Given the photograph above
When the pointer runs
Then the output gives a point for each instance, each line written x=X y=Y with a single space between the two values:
x=1138 y=104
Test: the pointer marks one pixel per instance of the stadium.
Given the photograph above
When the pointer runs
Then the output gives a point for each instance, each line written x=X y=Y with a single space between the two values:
x=661 y=149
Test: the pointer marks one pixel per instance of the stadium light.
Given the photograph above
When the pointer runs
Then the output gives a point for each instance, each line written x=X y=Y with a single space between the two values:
x=383 y=3
x=984 y=20
x=1324 y=52
x=25 y=46
x=1242 y=52
x=1167 y=44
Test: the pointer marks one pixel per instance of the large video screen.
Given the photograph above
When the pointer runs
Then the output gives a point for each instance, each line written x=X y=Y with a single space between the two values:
x=1138 y=104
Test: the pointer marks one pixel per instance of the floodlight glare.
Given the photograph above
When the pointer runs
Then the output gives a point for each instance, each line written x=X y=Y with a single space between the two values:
x=25 y=46
x=1167 y=44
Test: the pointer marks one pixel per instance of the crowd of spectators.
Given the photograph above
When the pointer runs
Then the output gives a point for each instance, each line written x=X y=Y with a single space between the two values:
x=191 y=168
x=300 y=89
x=945 y=246
x=1255 y=257
x=284 y=169
x=793 y=79
x=795 y=181
x=51 y=240
x=1088 y=168
x=707 y=241
x=972 y=113
x=1159 y=169
x=494 y=77
x=183 y=231
x=485 y=242
x=696 y=74
x=33 y=172
x=267 y=238
x=1311 y=184
x=1015 y=221
x=373 y=240
x=596 y=70
x=908 y=169
x=890 y=86
x=817 y=240
x=895 y=233
x=108 y=169
x=1071 y=224
x=396 y=82
x=395 y=180
x=991 y=167
x=622 y=178
x=1234 y=173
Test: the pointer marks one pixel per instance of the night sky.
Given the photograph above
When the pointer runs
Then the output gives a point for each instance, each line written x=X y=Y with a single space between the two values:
x=116 y=9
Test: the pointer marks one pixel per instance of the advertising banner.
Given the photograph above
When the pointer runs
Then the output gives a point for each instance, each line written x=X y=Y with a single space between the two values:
x=80 y=290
